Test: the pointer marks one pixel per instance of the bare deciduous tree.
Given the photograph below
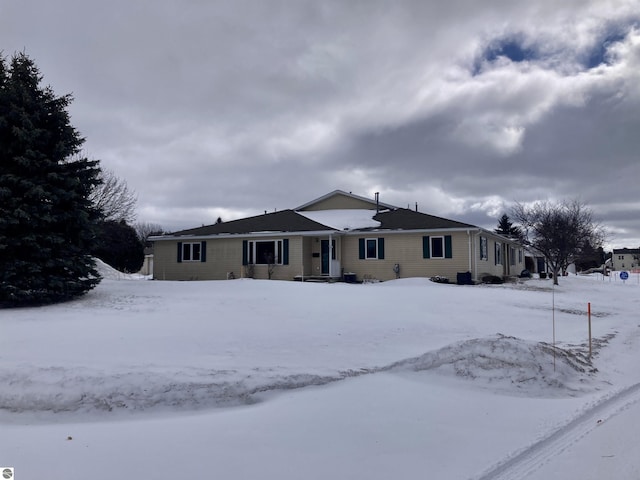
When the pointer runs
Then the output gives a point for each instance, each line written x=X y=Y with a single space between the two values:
x=559 y=231
x=113 y=199
x=145 y=229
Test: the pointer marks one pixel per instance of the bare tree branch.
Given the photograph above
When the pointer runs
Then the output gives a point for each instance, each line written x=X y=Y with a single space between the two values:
x=559 y=232
x=113 y=199
x=145 y=229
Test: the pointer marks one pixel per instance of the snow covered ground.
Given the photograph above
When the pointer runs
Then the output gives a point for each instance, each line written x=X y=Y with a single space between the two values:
x=286 y=380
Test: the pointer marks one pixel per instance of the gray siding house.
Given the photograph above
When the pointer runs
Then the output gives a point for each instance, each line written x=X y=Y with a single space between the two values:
x=625 y=259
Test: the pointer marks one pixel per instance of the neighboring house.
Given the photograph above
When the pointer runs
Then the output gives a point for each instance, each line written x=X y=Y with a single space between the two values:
x=625 y=259
x=147 y=264
x=335 y=236
x=534 y=261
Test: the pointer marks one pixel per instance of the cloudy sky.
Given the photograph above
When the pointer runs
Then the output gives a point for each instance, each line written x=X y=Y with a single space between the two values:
x=230 y=108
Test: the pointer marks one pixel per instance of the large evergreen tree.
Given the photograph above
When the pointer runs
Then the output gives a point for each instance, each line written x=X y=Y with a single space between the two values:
x=507 y=228
x=46 y=217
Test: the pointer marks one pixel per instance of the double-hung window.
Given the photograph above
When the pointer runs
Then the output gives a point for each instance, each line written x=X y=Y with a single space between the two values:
x=439 y=246
x=498 y=253
x=192 y=251
x=371 y=248
x=484 y=251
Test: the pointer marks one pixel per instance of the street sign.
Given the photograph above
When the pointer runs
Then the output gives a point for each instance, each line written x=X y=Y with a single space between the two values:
x=624 y=275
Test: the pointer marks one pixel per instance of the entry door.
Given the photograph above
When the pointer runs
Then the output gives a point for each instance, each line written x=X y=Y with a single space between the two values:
x=324 y=254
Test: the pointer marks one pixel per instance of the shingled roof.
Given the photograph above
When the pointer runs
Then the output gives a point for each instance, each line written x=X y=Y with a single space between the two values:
x=405 y=219
x=282 y=221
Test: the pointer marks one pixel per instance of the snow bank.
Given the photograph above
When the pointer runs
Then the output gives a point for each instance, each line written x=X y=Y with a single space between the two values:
x=504 y=364
x=510 y=365
x=107 y=271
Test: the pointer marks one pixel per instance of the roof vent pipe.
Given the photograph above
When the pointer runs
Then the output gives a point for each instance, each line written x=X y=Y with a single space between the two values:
x=416 y=206
x=377 y=202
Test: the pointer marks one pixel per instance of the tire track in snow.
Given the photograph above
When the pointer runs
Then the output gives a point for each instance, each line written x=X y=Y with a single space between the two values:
x=531 y=458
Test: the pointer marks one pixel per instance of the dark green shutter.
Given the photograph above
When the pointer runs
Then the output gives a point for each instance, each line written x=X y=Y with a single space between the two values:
x=381 y=249
x=426 y=249
x=245 y=260
x=285 y=251
x=448 y=251
x=361 y=248
x=203 y=251
x=179 y=252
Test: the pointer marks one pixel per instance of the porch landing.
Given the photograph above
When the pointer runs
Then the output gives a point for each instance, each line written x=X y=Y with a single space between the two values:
x=316 y=278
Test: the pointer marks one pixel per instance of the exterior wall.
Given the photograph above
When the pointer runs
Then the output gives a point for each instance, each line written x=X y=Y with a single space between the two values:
x=223 y=255
x=511 y=260
x=625 y=259
x=339 y=202
x=406 y=250
x=307 y=259
x=486 y=265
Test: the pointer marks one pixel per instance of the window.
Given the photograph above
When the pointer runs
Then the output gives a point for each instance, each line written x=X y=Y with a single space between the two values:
x=192 y=251
x=520 y=254
x=437 y=247
x=265 y=252
x=512 y=256
x=371 y=248
x=484 y=252
x=498 y=253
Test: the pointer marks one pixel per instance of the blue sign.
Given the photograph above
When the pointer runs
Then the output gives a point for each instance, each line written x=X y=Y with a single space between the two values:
x=624 y=275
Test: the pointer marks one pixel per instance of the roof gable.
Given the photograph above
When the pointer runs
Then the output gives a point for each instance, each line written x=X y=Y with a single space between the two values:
x=338 y=200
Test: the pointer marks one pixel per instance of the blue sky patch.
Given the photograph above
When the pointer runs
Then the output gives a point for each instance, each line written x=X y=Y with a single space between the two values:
x=512 y=48
x=598 y=54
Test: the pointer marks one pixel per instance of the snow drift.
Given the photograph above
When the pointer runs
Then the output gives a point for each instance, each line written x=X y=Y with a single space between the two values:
x=506 y=364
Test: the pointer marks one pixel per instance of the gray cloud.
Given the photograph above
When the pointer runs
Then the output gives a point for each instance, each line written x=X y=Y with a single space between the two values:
x=227 y=109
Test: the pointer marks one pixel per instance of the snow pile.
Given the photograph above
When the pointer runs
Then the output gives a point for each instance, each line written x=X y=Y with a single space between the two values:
x=347 y=219
x=107 y=271
x=505 y=364
x=510 y=365
x=89 y=391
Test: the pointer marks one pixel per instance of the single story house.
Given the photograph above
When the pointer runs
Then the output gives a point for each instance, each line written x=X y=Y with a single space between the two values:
x=339 y=236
